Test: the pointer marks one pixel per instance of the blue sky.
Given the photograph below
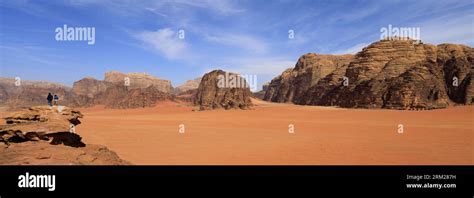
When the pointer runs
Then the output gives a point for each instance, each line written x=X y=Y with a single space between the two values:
x=247 y=36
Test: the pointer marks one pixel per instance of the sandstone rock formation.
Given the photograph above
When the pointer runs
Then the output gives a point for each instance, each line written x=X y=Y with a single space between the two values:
x=42 y=135
x=122 y=97
x=139 y=80
x=399 y=74
x=187 y=91
x=90 y=87
x=213 y=93
x=42 y=153
x=309 y=69
x=188 y=85
x=29 y=93
x=42 y=123
x=261 y=94
x=141 y=90
x=186 y=96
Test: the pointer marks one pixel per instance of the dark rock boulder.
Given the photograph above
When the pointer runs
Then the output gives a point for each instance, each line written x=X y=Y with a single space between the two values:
x=219 y=89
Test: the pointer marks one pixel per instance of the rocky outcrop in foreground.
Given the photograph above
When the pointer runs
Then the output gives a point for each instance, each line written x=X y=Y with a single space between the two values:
x=42 y=153
x=45 y=135
x=219 y=89
x=42 y=123
x=396 y=74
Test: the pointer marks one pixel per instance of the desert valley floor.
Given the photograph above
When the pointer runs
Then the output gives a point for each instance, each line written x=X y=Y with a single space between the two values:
x=322 y=135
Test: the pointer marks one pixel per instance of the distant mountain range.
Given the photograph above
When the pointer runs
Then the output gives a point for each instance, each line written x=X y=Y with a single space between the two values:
x=117 y=90
x=392 y=73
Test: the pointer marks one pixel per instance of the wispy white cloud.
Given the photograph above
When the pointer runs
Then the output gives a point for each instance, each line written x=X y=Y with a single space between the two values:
x=162 y=7
x=219 y=6
x=24 y=6
x=241 y=41
x=33 y=53
x=33 y=8
x=449 y=29
x=354 y=15
x=267 y=66
x=163 y=41
x=352 y=50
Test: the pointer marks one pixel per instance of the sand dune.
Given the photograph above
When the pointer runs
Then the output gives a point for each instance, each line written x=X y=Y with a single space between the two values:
x=323 y=135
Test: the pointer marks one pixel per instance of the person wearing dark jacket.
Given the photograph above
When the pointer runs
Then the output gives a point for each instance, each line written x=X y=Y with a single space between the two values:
x=55 y=99
x=50 y=99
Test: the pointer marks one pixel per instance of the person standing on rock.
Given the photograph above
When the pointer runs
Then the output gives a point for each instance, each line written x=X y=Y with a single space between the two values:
x=50 y=99
x=55 y=99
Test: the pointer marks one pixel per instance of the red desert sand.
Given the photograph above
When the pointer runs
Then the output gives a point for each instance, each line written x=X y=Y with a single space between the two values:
x=322 y=135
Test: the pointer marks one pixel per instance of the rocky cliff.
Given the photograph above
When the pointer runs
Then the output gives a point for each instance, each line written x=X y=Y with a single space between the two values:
x=42 y=153
x=90 y=87
x=188 y=85
x=310 y=68
x=29 y=93
x=123 y=97
x=42 y=123
x=119 y=90
x=45 y=135
x=399 y=74
x=213 y=92
x=138 y=80
x=141 y=90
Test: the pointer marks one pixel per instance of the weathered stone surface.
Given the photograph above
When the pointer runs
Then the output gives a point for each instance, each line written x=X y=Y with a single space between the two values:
x=212 y=96
x=30 y=93
x=457 y=61
x=309 y=69
x=139 y=80
x=143 y=91
x=41 y=135
x=186 y=96
x=261 y=94
x=42 y=153
x=188 y=85
x=122 y=97
x=90 y=87
x=399 y=74
x=41 y=123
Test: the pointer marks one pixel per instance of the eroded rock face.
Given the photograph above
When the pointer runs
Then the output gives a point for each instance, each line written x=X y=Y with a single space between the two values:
x=87 y=92
x=42 y=123
x=309 y=69
x=122 y=97
x=90 y=87
x=186 y=96
x=261 y=94
x=211 y=95
x=399 y=74
x=141 y=90
x=188 y=85
x=42 y=153
x=139 y=80
x=41 y=135
x=30 y=93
